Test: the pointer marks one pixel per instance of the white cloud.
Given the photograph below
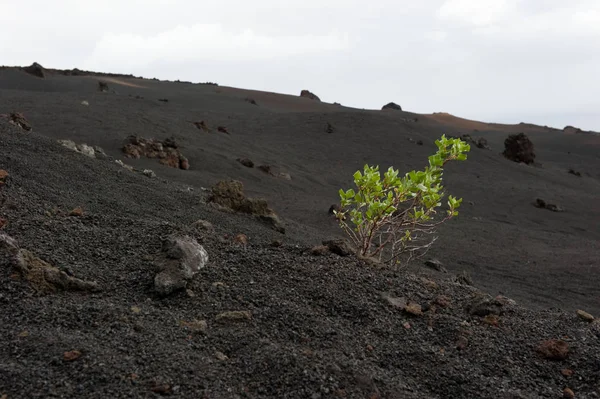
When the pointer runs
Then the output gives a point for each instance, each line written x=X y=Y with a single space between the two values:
x=475 y=12
x=201 y=42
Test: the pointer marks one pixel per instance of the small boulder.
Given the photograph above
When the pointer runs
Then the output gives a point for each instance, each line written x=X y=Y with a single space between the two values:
x=319 y=250
x=435 y=264
x=102 y=86
x=392 y=106
x=236 y=316
x=309 y=95
x=3 y=176
x=518 y=148
x=554 y=349
x=222 y=129
x=339 y=247
x=540 y=203
x=149 y=173
x=202 y=126
x=583 y=315
x=35 y=69
x=18 y=119
x=86 y=150
x=246 y=162
x=182 y=259
x=329 y=128
x=251 y=101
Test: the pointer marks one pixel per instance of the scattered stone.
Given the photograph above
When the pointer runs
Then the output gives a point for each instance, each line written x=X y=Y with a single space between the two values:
x=442 y=301
x=162 y=389
x=573 y=172
x=392 y=106
x=464 y=278
x=339 y=247
x=166 y=151
x=86 y=150
x=567 y=372
x=518 y=148
x=309 y=95
x=246 y=162
x=540 y=203
x=329 y=128
x=251 y=101
x=436 y=264
x=182 y=259
x=100 y=153
x=35 y=69
x=149 y=173
x=554 y=349
x=18 y=119
x=413 y=309
x=195 y=326
x=77 y=212
x=3 y=177
x=285 y=176
x=266 y=168
x=85 y=103
x=102 y=86
x=230 y=195
x=406 y=325
x=204 y=225
x=222 y=129
x=220 y=356
x=241 y=239
x=71 y=355
x=136 y=309
x=277 y=243
x=202 y=126
x=483 y=307
x=583 y=315
x=492 y=320
x=399 y=303
x=568 y=393
x=235 y=316
x=429 y=284
x=319 y=250
x=479 y=142
x=45 y=278
x=120 y=163
x=3 y=222
x=462 y=342
x=164 y=100
x=419 y=142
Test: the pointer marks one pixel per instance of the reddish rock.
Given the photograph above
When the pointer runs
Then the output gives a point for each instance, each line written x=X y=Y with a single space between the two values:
x=246 y=162
x=202 y=126
x=568 y=393
x=554 y=349
x=222 y=129
x=76 y=212
x=71 y=355
x=319 y=250
x=2 y=223
x=184 y=163
x=18 y=119
x=3 y=176
x=442 y=301
x=413 y=309
x=567 y=372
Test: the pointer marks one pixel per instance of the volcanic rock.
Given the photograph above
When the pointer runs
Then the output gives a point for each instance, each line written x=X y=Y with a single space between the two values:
x=309 y=95
x=182 y=259
x=35 y=69
x=518 y=148
x=392 y=106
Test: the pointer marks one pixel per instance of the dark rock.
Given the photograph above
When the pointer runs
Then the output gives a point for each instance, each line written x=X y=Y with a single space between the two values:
x=540 y=203
x=102 y=86
x=273 y=221
x=246 y=162
x=482 y=143
x=182 y=259
x=464 y=278
x=167 y=151
x=251 y=101
x=340 y=247
x=235 y=316
x=309 y=95
x=164 y=100
x=18 y=119
x=572 y=130
x=319 y=250
x=392 y=106
x=486 y=306
x=266 y=168
x=435 y=264
x=334 y=208
x=170 y=143
x=329 y=128
x=222 y=129
x=35 y=69
x=419 y=142
x=518 y=148
x=202 y=126
x=573 y=172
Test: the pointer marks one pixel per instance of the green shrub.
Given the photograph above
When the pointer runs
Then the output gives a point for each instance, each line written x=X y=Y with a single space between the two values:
x=394 y=219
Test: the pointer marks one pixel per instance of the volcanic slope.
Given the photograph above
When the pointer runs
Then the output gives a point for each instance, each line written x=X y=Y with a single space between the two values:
x=319 y=326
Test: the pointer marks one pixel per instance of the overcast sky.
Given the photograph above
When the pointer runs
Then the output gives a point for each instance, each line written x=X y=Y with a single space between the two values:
x=493 y=60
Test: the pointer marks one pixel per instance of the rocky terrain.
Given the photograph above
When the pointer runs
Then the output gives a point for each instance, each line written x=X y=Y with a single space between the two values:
x=131 y=264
